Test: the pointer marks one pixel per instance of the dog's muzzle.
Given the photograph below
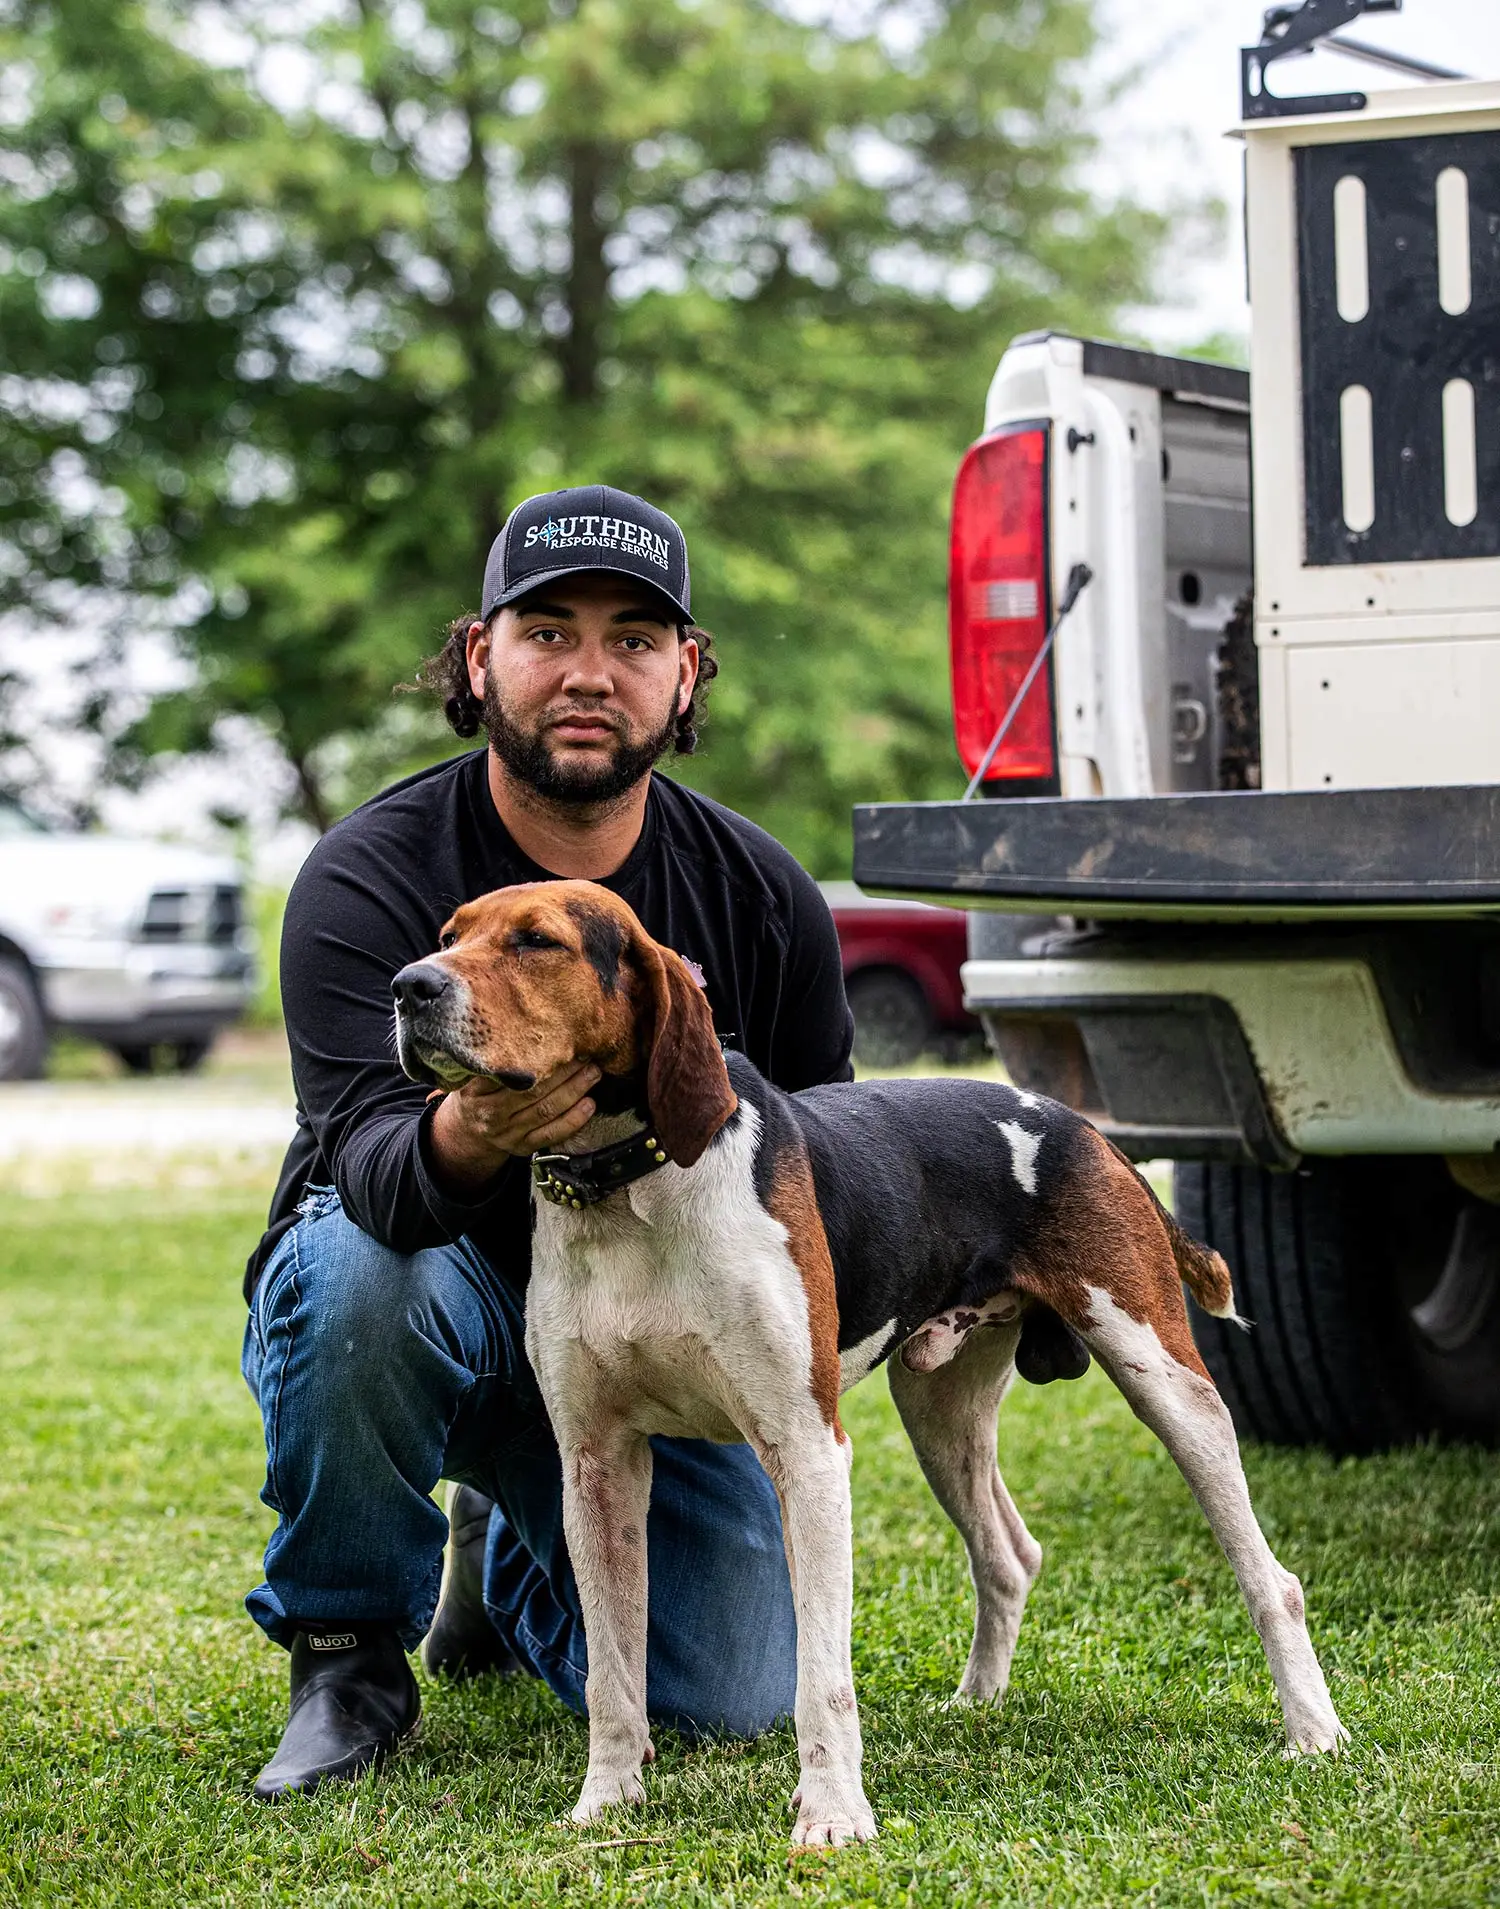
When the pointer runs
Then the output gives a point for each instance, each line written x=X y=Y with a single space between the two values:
x=426 y=996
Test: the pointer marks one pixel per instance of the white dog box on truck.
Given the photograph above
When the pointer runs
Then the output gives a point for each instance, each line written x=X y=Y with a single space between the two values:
x=1246 y=911
x=1375 y=365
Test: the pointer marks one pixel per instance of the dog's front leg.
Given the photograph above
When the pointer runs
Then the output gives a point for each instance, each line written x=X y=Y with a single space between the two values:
x=606 y=1494
x=811 y=1476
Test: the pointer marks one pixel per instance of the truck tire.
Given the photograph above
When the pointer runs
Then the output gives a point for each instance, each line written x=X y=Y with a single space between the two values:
x=164 y=1057
x=23 y=1025
x=1373 y=1288
x=893 y=1019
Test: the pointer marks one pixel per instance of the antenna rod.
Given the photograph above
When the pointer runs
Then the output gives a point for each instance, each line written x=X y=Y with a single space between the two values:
x=1397 y=62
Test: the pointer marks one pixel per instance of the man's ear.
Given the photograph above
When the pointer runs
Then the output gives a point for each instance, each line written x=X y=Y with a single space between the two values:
x=688 y=1094
x=477 y=656
x=687 y=674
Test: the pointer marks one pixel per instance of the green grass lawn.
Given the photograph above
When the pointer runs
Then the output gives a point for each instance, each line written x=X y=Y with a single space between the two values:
x=1138 y=1756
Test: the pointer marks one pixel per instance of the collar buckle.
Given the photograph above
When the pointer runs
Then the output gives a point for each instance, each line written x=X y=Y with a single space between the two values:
x=577 y=1180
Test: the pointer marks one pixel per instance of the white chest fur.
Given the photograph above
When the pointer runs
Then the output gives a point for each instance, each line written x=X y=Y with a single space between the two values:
x=674 y=1304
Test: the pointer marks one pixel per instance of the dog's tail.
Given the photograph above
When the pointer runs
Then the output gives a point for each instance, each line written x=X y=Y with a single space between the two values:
x=1201 y=1269
x=1203 y=1272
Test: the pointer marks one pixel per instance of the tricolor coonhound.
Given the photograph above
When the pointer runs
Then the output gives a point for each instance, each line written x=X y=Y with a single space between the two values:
x=714 y=1258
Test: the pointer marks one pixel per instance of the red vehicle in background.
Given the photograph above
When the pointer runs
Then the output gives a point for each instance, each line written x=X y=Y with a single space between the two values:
x=901 y=963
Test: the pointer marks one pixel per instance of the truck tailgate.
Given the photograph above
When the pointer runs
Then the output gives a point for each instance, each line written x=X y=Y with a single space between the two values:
x=1342 y=853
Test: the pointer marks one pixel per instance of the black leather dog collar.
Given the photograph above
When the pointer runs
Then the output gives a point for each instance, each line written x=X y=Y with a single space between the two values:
x=578 y=1180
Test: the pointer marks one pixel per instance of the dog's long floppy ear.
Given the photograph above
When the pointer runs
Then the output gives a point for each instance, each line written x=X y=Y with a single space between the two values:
x=687 y=1084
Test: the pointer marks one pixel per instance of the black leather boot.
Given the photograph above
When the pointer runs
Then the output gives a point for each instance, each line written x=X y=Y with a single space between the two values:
x=463 y=1642
x=353 y=1700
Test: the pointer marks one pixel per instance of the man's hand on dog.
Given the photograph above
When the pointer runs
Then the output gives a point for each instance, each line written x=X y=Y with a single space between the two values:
x=481 y=1125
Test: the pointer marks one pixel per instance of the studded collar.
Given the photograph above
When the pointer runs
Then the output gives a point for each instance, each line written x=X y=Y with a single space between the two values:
x=578 y=1180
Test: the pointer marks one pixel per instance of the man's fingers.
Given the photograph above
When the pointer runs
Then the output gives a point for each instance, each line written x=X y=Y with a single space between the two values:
x=578 y=1074
x=483 y=1124
x=583 y=1072
x=539 y=1139
x=479 y=1087
x=543 y=1106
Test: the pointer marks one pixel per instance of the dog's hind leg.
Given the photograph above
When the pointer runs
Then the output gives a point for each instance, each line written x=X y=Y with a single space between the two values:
x=1186 y=1413
x=1114 y=1276
x=949 y=1415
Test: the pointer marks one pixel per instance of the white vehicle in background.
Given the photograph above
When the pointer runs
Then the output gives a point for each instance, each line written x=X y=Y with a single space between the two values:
x=140 y=945
x=1246 y=911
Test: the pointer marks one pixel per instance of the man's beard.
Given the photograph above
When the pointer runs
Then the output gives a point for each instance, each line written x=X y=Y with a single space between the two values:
x=581 y=783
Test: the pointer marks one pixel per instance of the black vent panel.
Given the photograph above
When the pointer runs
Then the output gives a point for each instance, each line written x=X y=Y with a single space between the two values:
x=1399 y=274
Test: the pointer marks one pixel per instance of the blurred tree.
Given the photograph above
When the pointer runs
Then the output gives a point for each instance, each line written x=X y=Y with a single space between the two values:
x=291 y=315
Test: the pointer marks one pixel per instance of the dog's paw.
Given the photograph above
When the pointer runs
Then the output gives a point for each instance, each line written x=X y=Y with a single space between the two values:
x=1318 y=1735
x=607 y=1792
x=976 y=1691
x=834 y=1831
x=836 y=1815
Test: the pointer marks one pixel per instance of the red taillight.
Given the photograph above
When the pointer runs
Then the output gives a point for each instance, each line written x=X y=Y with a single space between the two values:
x=997 y=602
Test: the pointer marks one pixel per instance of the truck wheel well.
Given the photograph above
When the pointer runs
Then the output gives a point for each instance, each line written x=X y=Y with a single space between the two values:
x=894 y=1016
x=902 y=971
x=13 y=951
x=882 y=965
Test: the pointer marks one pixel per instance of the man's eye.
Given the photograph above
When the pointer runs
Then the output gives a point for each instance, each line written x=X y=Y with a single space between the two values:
x=547 y=636
x=636 y=643
x=529 y=940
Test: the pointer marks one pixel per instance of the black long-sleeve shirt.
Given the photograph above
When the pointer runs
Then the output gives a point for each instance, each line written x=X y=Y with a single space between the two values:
x=373 y=895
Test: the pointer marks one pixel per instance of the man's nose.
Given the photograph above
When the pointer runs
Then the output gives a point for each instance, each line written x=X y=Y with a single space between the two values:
x=420 y=984
x=589 y=672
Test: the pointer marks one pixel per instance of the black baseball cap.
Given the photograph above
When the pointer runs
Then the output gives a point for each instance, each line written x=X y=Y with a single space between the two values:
x=591 y=527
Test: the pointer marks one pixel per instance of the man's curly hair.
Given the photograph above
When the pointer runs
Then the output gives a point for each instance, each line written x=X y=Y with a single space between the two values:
x=446 y=674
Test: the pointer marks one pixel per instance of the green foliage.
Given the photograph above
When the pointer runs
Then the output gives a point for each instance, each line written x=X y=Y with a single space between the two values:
x=267 y=906
x=1221 y=348
x=754 y=268
x=1136 y=1757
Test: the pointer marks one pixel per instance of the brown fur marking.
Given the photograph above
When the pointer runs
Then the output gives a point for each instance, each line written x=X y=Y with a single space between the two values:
x=1106 y=1229
x=532 y=1009
x=535 y=1010
x=793 y=1200
x=1202 y=1269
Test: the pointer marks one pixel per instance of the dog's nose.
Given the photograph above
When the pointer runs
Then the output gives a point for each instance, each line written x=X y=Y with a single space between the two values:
x=420 y=984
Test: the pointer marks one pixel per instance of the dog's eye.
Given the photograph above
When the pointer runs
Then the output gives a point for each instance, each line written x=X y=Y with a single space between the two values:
x=531 y=940
x=448 y=940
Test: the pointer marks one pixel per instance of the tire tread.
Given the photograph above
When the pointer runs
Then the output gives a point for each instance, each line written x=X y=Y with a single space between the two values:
x=1312 y=1369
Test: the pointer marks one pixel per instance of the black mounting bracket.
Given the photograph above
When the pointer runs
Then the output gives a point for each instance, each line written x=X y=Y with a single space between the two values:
x=1297 y=28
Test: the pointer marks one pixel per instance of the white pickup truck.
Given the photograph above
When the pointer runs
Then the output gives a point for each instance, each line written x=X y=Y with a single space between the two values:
x=1235 y=869
x=140 y=945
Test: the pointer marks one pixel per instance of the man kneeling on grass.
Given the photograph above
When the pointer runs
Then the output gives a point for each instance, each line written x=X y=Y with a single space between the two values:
x=385 y=1342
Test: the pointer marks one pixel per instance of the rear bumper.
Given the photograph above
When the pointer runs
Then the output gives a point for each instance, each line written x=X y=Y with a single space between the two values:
x=1348 y=1004
x=1339 y=854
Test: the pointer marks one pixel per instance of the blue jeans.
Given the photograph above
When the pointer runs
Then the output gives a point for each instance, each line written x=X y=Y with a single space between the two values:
x=377 y=1373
